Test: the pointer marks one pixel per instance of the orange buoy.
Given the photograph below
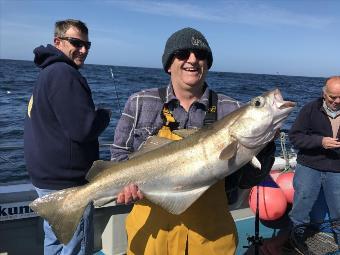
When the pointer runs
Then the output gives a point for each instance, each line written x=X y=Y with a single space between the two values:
x=272 y=201
x=285 y=182
x=279 y=223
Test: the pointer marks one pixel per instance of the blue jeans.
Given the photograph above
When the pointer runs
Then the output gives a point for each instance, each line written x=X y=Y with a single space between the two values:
x=307 y=185
x=82 y=241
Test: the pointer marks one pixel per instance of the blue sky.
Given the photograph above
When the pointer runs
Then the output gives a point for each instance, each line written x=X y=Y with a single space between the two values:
x=288 y=37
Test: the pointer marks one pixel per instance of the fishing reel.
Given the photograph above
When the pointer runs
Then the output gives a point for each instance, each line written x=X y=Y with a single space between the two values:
x=255 y=241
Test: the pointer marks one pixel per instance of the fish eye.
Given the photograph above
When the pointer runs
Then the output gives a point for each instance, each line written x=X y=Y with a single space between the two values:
x=257 y=102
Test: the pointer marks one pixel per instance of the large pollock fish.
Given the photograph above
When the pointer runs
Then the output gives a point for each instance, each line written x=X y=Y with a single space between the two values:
x=176 y=173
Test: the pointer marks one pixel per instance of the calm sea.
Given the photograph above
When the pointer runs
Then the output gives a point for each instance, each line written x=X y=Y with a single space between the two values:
x=17 y=81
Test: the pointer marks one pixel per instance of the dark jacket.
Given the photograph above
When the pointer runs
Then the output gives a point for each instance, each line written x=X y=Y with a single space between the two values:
x=61 y=125
x=310 y=126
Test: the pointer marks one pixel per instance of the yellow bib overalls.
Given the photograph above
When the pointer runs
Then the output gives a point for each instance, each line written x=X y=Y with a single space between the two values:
x=206 y=227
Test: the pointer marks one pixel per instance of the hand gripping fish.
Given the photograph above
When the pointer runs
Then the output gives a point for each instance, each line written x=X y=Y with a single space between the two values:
x=177 y=173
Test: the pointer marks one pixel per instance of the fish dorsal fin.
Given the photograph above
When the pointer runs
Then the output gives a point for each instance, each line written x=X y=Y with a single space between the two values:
x=175 y=202
x=152 y=143
x=155 y=142
x=229 y=151
x=185 y=132
x=97 y=167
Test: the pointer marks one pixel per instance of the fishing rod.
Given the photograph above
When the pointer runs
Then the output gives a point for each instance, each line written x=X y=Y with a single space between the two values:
x=116 y=91
x=256 y=240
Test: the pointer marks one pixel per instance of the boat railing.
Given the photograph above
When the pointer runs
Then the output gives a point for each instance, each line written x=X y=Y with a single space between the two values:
x=286 y=155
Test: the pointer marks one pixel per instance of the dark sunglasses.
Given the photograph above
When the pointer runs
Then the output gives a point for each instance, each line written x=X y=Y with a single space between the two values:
x=77 y=42
x=184 y=54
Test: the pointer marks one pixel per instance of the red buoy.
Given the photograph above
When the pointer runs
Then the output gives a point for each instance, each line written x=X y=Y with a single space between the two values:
x=272 y=201
x=285 y=182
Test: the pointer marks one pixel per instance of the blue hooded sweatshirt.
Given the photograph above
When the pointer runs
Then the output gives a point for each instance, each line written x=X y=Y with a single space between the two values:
x=61 y=125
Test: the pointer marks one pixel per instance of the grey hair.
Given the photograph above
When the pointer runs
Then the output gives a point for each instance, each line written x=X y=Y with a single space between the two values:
x=324 y=88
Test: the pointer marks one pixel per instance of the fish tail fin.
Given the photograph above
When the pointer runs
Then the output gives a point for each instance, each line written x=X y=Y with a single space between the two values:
x=57 y=210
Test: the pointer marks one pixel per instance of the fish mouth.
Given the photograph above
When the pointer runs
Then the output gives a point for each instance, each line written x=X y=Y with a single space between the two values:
x=280 y=103
x=287 y=104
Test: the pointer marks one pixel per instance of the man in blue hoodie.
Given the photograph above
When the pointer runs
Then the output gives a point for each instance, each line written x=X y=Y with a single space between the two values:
x=62 y=127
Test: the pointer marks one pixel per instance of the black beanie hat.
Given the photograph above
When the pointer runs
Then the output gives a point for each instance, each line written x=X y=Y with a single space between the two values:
x=186 y=38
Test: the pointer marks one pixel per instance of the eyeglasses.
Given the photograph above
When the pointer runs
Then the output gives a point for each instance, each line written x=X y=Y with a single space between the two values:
x=77 y=42
x=184 y=54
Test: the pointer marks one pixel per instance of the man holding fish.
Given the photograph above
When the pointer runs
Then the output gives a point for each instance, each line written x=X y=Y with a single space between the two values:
x=207 y=226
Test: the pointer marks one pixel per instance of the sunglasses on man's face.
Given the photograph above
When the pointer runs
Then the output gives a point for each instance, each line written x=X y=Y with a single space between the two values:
x=77 y=42
x=184 y=54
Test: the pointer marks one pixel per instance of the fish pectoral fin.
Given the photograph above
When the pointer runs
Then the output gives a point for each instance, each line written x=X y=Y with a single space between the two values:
x=97 y=167
x=255 y=162
x=185 y=132
x=229 y=151
x=103 y=201
x=152 y=143
x=175 y=202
